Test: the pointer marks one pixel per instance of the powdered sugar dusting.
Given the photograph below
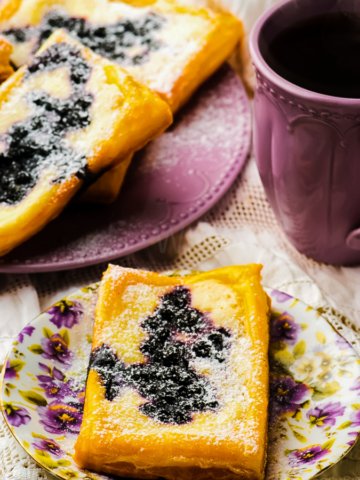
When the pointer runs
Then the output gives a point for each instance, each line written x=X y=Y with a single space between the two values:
x=203 y=130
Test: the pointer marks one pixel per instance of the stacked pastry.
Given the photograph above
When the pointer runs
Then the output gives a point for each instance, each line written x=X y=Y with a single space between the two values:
x=178 y=376
x=96 y=81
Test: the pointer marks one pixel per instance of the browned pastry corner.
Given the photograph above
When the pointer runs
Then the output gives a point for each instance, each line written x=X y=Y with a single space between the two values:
x=6 y=70
x=107 y=188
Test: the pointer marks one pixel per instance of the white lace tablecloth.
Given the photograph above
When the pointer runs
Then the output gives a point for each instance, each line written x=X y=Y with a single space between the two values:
x=241 y=228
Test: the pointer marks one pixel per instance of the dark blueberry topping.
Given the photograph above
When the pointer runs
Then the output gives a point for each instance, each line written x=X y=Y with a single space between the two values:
x=175 y=312
x=112 y=41
x=59 y=55
x=20 y=35
x=106 y=363
x=171 y=386
x=38 y=142
x=211 y=347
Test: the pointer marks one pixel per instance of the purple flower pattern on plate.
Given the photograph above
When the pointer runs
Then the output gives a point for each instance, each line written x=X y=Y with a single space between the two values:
x=281 y=297
x=16 y=416
x=55 y=386
x=28 y=330
x=307 y=455
x=66 y=313
x=286 y=396
x=52 y=387
x=10 y=372
x=356 y=385
x=342 y=344
x=55 y=372
x=48 y=445
x=325 y=415
x=60 y=417
x=55 y=348
x=354 y=435
x=284 y=329
x=355 y=419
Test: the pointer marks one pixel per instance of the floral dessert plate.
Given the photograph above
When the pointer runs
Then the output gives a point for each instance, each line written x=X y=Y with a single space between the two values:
x=314 y=388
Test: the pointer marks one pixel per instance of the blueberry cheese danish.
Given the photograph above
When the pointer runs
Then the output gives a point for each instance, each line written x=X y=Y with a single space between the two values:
x=65 y=118
x=169 y=47
x=178 y=376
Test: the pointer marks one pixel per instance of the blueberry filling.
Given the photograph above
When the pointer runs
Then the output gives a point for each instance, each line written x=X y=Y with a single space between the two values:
x=38 y=142
x=112 y=41
x=173 y=389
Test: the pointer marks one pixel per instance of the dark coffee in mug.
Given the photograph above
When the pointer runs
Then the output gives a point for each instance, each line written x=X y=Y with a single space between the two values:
x=321 y=54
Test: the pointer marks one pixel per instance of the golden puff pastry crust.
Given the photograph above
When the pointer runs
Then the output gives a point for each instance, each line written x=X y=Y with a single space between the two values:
x=107 y=188
x=8 y=8
x=169 y=47
x=178 y=379
x=6 y=70
x=65 y=118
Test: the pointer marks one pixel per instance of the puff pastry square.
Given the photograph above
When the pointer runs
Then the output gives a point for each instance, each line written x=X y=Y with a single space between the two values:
x=65 y=118
x=170 y=47
x=178 y=378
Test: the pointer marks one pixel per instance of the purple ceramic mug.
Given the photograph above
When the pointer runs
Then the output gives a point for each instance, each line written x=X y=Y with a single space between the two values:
x=307 y=147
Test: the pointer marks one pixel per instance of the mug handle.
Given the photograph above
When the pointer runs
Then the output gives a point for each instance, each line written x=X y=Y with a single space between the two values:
x=353 y=239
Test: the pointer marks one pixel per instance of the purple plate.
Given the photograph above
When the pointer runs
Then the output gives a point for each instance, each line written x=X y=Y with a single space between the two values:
x=170 y=183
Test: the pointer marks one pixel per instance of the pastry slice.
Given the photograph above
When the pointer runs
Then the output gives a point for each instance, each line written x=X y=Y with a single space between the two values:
x=178 y=378
x=169 y=47
x=65 y=118
x=107 y=188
